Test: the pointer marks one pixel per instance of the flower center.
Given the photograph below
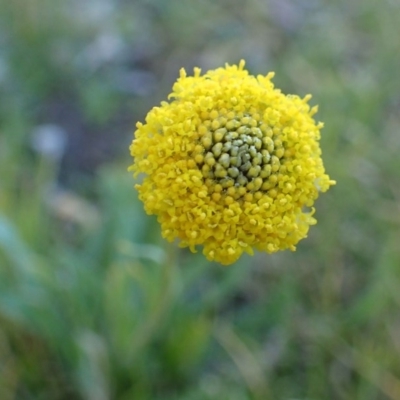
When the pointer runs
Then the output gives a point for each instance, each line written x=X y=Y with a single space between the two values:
x=240 y=153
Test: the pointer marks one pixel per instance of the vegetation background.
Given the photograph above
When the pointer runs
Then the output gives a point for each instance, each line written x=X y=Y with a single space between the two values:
x=95 y=306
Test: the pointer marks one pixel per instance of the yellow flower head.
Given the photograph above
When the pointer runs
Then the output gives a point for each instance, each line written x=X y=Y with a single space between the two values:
x=230 y=163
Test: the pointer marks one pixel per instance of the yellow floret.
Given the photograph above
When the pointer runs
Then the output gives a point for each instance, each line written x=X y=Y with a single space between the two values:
x=230 y=163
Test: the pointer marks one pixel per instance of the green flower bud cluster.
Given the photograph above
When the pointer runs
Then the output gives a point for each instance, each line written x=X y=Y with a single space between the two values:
x=240 y=152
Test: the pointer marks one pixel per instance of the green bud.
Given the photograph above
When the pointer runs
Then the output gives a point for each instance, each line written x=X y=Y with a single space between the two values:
x=234 y=151
x=232 y=124
x=253 y=151
x=233 y=172
x=246 y=166
x=209 y=159
x=268 y=144
x=220 y=171
x=236 y=161
x=207 y=172
x=228 y=137
x=253 y=172
x=257 y=143
x=206 y=141
x=257 y=160
x=266 y=171
x=237 y=142
x=267 y=130
x=267 y=186
x=257 y=132
x=266 y=157
x=247 y=139
x=227 y=182
x=242 y=130
x=245 y=156
x=219 y=134
x=224 y=160
x=227 y=147
x=257 y=183
x=217 y=149
x=275 y=163
x=242 y=180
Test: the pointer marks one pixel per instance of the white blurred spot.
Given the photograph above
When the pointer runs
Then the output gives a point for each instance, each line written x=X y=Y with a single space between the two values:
x=49 y=140
x=104 y=48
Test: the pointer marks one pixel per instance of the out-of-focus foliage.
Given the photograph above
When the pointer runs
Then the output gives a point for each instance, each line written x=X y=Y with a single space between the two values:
x=93 y=305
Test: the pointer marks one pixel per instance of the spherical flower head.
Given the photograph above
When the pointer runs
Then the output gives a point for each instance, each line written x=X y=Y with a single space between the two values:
x=231 y=164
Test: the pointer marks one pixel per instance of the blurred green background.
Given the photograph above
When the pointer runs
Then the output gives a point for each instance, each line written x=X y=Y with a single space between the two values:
x=94 y=305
